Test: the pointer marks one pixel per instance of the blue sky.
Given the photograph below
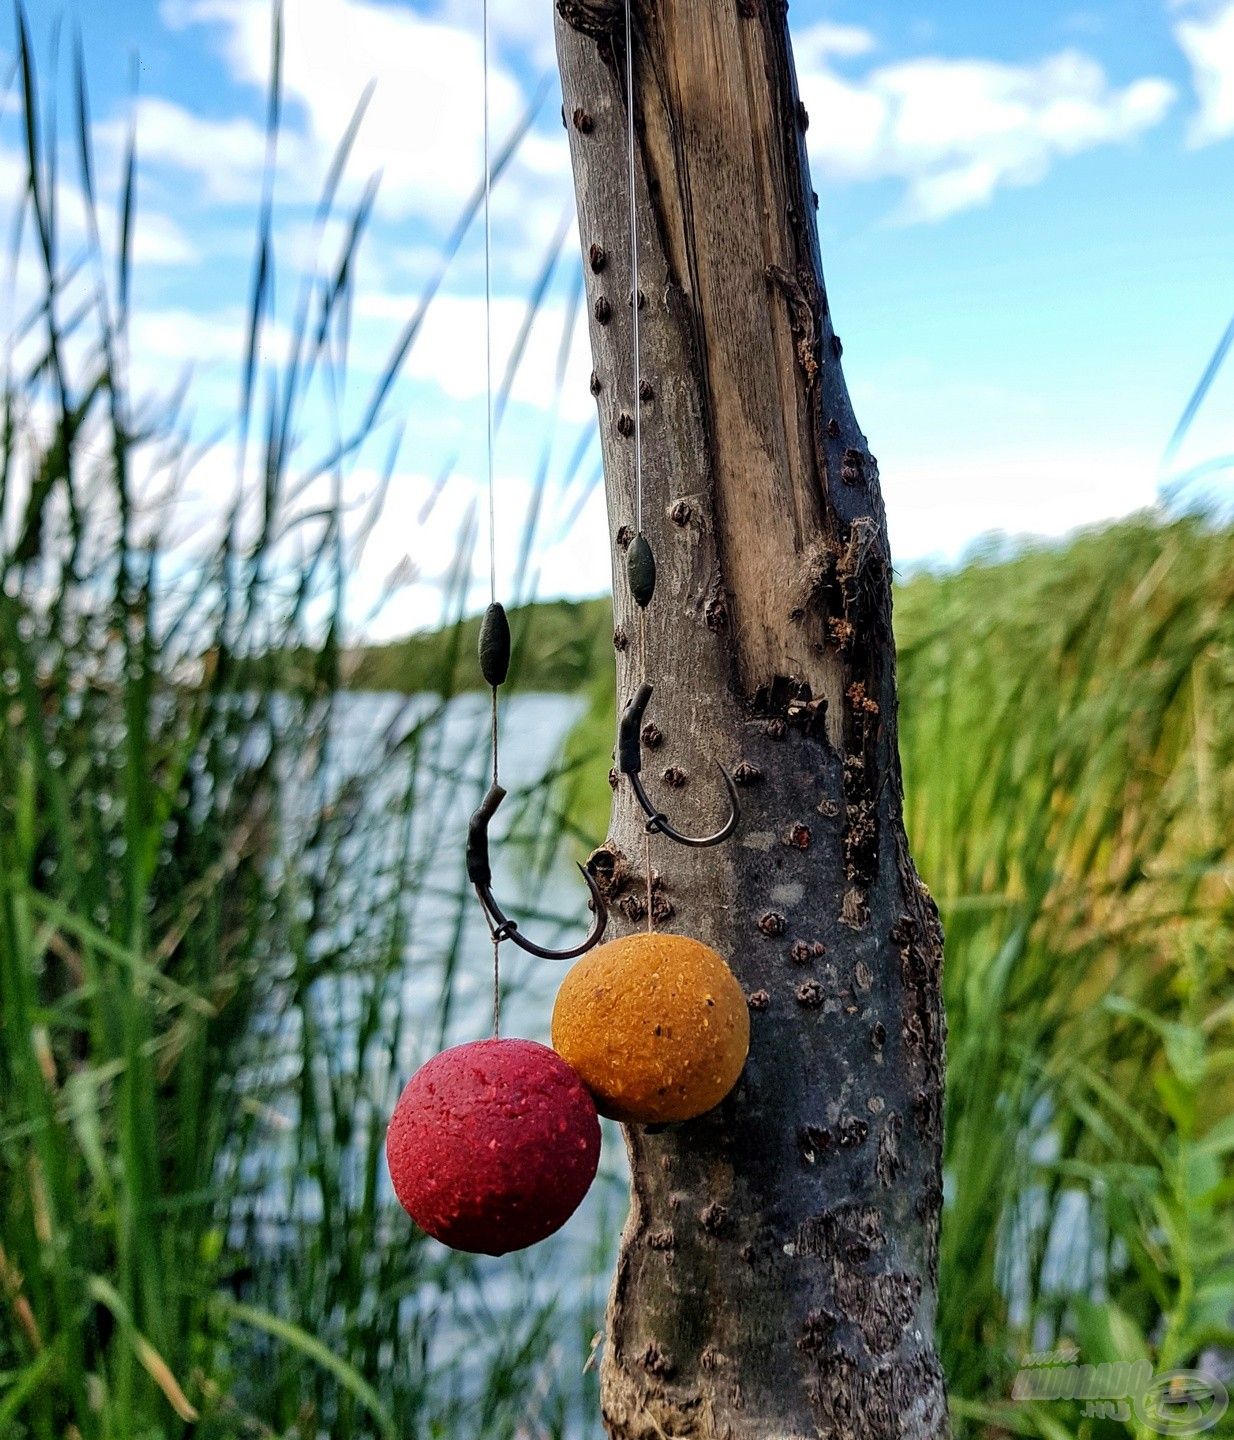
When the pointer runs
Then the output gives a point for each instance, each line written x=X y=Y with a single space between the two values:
x=1026 y=210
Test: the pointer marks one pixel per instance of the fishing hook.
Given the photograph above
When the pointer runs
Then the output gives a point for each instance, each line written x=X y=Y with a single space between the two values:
x=480 y=873
x=630 y=762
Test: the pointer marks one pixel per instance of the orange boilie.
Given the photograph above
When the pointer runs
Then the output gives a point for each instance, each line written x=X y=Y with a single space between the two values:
x=655 y=1025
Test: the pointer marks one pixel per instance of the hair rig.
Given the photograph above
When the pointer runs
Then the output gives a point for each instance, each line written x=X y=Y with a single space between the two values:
x=656 y=1024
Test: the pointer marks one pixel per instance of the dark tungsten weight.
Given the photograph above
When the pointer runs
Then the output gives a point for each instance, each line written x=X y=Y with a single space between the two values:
x=495 y=645
x=641 y=569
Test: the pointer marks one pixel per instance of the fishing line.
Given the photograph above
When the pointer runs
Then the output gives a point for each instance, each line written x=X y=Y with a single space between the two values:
x=640 y=561
x=488 y=428
x=458 y=1167
x=634 y=295
x=637 y=404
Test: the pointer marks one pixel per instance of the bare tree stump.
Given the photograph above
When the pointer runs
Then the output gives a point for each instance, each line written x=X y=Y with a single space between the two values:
x=777 y=1275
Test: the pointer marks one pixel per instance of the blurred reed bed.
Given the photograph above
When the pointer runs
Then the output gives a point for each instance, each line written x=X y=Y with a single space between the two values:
x=1068 y=739
x=229 y=926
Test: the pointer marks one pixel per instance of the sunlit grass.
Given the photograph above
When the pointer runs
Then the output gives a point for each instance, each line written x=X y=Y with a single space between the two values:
x=1068 y=741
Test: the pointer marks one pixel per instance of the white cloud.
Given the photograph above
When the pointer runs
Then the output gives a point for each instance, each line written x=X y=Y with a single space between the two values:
x=177 y=336
x=1206 y=36
x=421 y=134
x=932 y=503
x=226 y=157
x=158 y=240
x=423 y=127
x=449 y=351
x=957 y=131
x=513 y=25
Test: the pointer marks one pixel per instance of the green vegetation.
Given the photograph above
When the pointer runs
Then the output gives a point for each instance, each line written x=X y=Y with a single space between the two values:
x=1069 y=751
x=226 y=935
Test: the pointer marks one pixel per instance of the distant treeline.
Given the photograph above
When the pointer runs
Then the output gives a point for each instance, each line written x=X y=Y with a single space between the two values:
x=558 y=645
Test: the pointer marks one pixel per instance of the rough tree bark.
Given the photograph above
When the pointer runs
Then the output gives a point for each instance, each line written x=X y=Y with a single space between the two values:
x=777 y=1275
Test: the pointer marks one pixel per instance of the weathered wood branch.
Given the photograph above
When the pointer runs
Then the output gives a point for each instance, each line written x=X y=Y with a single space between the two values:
x=777 y=1275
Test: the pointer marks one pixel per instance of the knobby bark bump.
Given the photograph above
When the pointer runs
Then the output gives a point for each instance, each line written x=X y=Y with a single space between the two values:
x=777 y=1274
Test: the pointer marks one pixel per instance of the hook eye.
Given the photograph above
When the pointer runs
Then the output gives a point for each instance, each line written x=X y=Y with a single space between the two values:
x=501 y=925
x=630 y=764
